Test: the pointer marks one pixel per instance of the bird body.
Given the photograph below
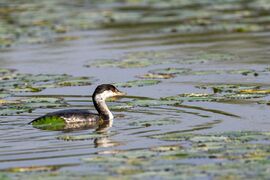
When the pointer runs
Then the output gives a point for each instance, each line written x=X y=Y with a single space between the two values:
x=101 y=93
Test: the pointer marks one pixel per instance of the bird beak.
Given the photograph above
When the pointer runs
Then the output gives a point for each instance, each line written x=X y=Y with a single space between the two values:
x=120 y=93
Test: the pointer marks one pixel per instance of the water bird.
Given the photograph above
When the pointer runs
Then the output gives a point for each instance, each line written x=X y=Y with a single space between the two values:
x=81 y=116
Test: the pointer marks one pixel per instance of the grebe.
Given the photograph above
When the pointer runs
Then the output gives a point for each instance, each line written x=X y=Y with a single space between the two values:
x=73 y=116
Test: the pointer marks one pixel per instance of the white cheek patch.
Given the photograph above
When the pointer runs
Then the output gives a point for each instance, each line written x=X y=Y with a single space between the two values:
x=104 y=95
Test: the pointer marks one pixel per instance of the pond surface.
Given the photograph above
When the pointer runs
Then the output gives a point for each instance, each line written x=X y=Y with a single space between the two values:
x=189 y=86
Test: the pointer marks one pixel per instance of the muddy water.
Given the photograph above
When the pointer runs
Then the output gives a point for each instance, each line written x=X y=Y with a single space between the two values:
x=21 y=145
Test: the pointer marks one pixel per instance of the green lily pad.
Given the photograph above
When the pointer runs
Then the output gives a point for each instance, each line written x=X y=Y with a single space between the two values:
x=80 y=81
x=7 y=111
x=120 y=64
x=264 y=102
x=156 y=76
x=32 y=169
x=193 y=97
x=4 y=71
x=29 y=104
x=137 y=83
x=151 y=102
x=135 y=60
x=244 y=96
x=228 y=88
x=3 y=95
x=27 y=22
x=206 y=28
x=14 y=82
x=208 y=57
x=42 y=102
x=185 y=71
x=171 y=71
x=255 y=91
x=211 y=155
x=198 y=156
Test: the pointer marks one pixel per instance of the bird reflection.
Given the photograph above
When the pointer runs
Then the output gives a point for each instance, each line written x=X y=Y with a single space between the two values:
x=104 y=141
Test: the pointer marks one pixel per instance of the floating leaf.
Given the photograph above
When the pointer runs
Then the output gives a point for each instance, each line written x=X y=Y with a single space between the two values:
x=193 y=97
x=186 y=71
x=29 y=104
x=156 y=76
x=229 y=88
x=243 y=96
x=120 y=64
x=14 y=82
x=255 y=91
x=3 y=95
x=264 y=102
x=206 y=57
x=171 y=71
x=82 y=81
x=152 y=102
x=137 y=83
x=32 y=169
x=6 y=111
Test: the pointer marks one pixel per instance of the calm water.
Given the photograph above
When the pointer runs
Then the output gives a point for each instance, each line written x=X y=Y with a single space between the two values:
x=22 y=145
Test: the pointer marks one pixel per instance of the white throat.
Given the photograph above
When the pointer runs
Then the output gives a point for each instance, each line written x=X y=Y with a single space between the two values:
x=100 y=99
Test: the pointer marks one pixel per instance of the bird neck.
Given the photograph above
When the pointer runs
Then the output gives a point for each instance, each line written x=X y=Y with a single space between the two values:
x=102 y=108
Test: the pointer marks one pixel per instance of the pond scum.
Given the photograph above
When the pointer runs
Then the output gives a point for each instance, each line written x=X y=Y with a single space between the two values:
x=179 y=154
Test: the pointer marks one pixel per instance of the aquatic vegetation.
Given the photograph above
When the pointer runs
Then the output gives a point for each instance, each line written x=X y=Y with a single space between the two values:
x=208 y=28
x=136 y=60
x=255 y=91
x=170 y=71
x=22 y=105
x=212 y=97
x=210 y=155
x=32 y=169
x=156 y=76
x=243 y=96
x=237 y=91
x=264 y=102
x=151 y=102
x=167 y=72
x=12 y=82
x=193 y=97
x=137 y=83
x=228 y=88
x=121 y=64
x=41 y=22
x=221 y=93
x=147 y=58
